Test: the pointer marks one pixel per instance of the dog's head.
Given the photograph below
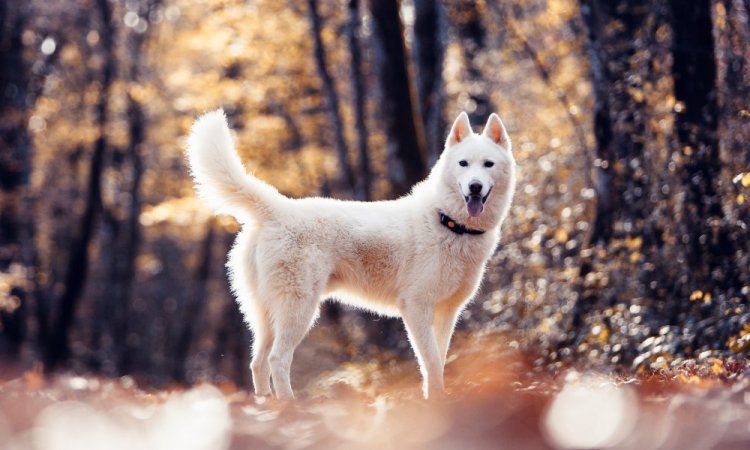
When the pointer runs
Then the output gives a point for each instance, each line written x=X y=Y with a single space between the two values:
x=479 y=167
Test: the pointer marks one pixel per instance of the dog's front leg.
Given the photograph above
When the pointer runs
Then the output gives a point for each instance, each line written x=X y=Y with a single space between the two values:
x=418 y=322
x=444 y=322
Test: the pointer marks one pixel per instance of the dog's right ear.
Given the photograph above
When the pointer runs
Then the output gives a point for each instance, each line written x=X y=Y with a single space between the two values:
x=460 y=130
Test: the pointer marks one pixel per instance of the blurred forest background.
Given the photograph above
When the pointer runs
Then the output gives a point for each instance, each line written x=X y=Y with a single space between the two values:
x=627 y=246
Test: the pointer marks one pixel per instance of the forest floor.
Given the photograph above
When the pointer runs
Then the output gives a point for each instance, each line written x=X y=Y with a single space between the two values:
x=497 y=398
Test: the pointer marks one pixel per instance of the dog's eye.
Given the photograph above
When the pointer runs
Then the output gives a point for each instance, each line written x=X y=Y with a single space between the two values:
x=463 y=163
x=488 y=164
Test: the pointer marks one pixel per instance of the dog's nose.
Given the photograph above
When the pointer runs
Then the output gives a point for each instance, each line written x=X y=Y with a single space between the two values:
x=475 y=188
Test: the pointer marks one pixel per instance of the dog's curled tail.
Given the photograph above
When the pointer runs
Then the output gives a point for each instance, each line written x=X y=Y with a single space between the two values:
x=220 y=177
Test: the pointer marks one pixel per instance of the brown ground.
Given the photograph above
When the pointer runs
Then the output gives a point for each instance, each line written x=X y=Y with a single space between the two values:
x=495 y=399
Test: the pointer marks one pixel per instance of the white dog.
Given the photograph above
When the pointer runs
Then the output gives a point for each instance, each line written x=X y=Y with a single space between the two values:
x=420 y=257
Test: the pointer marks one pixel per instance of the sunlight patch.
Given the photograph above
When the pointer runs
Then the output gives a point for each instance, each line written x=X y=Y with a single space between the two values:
x=590 y=413
x=196 y=420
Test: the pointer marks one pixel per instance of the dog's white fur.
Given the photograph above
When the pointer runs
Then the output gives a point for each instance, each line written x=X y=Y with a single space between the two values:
x=391 y=257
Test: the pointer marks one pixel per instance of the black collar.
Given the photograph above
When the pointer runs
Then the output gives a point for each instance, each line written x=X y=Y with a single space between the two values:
x=456 y=227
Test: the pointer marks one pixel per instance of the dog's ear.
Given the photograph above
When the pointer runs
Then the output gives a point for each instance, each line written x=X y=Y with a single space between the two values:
x=495 y=130
x=460 y=130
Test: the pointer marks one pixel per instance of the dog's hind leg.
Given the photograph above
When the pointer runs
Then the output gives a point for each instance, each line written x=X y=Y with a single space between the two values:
x=418 y=320
x=244 y=279
x=292 y=318
x=262 y=340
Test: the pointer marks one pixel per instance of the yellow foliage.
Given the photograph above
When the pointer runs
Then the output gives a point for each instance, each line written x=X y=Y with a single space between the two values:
x=720 y=16
x=692 y=379
x=741 y=342
x=634 y=243
x=717 y=366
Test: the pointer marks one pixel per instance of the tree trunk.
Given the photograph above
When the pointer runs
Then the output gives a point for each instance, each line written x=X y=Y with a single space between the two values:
x=131 y=228
x=364 y=187
x=620 y=133
x=131 y=237
x=694 y=74
x=471 y=34
x=121 y=230
x=735 y=95
x=332 y=101
x=58 y=343
x=406 y=148
x=429 y=53
x=14 y=174
x=733 y=40
x=181 y=349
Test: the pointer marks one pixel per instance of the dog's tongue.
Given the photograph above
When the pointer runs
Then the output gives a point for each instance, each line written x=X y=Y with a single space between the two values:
x=474 y=205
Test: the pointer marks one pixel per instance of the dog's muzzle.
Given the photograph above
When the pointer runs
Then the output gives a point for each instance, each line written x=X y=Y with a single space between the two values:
x=475 y=202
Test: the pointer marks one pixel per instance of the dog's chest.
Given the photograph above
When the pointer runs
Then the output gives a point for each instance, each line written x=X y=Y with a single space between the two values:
x=461 y=263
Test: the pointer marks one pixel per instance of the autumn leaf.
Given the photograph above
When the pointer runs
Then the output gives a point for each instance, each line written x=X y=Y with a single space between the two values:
x=717 y=366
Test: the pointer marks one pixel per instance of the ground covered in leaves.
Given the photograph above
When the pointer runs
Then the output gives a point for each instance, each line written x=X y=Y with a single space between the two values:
x=497 y=398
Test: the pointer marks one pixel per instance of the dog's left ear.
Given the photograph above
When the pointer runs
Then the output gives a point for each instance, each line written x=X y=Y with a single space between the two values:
x=495 y=130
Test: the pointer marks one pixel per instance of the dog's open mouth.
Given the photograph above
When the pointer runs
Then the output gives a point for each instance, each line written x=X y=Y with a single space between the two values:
x=475 y=203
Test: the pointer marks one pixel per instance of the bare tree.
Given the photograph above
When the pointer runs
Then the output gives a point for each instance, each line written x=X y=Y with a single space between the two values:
x=619 y=126
x=694 y=74
x=364 y=186
x=619 y=129
x=429 y=53
x=57 y=347
x=472 y=36
x=192 y=309
x=406 y=145
x=124 y=272
x=332 y=99
x=14 y=170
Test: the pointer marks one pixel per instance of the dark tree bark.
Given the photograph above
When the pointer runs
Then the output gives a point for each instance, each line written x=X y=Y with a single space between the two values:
x=130 y=238
x=429 y=53
x=619 y=130
x=406 y=143
x=472 y=36
x=131 y=228
x=120 y=236
x=14 y=171
x=733 y=86
x=619 y=123
x=694 y=74
x=19 y=88
x=181 y=349
x=332 y=100
x=57 y=348
x=364 y=186
x=735 y=83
